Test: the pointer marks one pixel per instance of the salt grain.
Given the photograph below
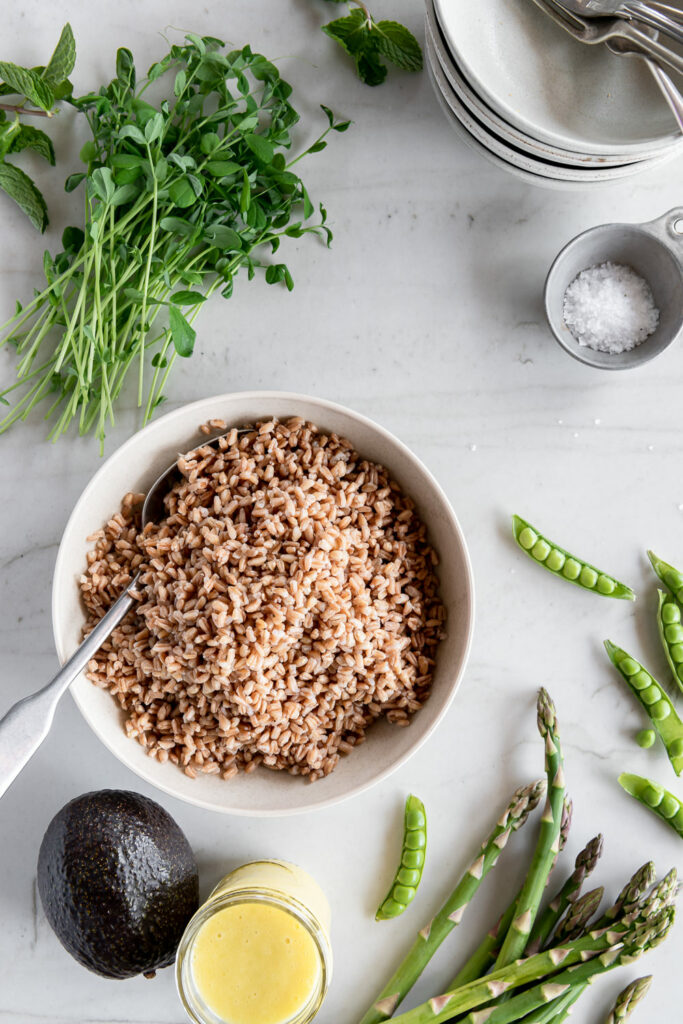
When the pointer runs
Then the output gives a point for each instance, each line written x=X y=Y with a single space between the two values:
x=610 y=308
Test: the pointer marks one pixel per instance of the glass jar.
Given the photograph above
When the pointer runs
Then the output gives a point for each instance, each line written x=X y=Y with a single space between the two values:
x=273 y=884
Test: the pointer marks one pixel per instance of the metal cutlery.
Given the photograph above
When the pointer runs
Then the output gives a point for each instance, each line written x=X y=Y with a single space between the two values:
x=623 y=39
x=600 y=30
x=659 y=16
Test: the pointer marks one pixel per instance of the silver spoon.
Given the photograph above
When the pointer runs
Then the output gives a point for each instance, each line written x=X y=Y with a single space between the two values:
x=666 y=19
x=28 y=722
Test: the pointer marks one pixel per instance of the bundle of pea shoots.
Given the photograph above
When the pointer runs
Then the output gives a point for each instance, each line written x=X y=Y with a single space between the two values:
x=536 y=961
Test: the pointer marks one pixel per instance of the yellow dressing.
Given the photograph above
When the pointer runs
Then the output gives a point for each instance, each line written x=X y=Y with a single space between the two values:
x=254 y=963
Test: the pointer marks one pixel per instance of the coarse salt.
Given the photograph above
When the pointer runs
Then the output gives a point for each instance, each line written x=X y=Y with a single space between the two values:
x=610 y=308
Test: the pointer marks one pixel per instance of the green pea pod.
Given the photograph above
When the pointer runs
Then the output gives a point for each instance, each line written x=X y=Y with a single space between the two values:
x=671 y=633
x=560 y=563
x=654 y=796
x=670 y=577
x=409 y=872
x=654 y=699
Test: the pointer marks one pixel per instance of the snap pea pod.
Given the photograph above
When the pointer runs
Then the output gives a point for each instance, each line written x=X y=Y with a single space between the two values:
x=409 y=871
x=656 y=702
x=654 y=796
x=671 y=633
x=568 y=567
x=670 y=576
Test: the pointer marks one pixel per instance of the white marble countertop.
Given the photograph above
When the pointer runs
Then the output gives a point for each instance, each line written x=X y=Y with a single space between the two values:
x=425 y=315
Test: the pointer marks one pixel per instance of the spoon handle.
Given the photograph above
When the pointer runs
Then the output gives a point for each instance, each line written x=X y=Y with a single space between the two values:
x=28 y=722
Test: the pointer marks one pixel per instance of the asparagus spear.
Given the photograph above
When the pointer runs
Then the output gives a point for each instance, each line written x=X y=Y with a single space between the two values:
x=581 y=960
x=583 y=866
x=628 y=999
x=432 y=935
x=629 y=897
x=547 y=846
x=487 y=951
x=577 y=917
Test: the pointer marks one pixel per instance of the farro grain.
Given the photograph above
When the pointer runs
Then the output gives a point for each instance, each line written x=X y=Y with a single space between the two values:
x=287 y=600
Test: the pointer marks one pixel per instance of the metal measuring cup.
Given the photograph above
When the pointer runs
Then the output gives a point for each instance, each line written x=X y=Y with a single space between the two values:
x=655 y=251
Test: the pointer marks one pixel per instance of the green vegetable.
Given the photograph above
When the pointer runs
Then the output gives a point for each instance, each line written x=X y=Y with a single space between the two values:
x=560 y=968
x=628 y=999
x=669 y=576
x=40 y=87
x=658 y=799
x=646 y=738
x=409 y=871
x=371 y=42
x=575 y=922
x=432 y=935
x=584 y=865
x=180 y=196
x=547 y=846
x=654 y=700
x=559 y=562
x=671 y=634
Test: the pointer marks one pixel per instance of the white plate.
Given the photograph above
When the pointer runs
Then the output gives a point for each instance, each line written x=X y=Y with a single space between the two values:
x=532 y=179
x=133 y=467
x=524 y=161
x=560 y=91
x=499 y=126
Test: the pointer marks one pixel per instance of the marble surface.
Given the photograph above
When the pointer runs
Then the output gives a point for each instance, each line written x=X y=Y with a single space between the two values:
x=425 y=315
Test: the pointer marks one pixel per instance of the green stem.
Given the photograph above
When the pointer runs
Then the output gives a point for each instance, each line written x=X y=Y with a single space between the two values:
x=547 y=846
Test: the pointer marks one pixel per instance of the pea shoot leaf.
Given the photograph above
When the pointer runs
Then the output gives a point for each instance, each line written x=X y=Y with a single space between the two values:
x=371 y=42
x=182 y=334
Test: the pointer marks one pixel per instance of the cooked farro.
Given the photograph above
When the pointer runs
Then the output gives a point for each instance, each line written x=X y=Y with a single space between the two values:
x=287 y=600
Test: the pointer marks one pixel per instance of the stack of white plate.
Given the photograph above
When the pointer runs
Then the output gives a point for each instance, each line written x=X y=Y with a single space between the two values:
x=540 y=104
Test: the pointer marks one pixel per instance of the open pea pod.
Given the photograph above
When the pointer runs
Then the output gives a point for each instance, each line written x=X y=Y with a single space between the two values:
x=654 y=796
x=670 y=576
x=670 y=624
x=409 y=871
x=654 y=700
x=568 y=567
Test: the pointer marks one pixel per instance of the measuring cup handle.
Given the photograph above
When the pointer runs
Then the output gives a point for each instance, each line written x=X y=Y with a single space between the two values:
x=669 y=230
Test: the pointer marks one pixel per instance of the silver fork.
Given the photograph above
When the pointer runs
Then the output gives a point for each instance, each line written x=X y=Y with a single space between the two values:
x=659 y=16
x=624 y=44
x=601 y=30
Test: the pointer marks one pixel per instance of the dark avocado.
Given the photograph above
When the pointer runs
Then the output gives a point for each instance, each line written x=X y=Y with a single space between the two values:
x=118 y=882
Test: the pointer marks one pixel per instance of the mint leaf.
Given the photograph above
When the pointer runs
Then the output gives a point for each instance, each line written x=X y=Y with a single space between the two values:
x=350 y=32
x=27 y=83
x=370 y=68
x=182 y=334
x=62 y=61
x=21 y=189
x=399 y=45
x=28 y=137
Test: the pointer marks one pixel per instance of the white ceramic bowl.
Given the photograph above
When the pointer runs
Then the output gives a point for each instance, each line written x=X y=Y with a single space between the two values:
x=497 y=125
x=533 y=74
x=543 y=170
x=133 y=468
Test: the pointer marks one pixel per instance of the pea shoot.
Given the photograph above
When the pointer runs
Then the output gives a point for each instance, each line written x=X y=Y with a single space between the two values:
x=180 y=195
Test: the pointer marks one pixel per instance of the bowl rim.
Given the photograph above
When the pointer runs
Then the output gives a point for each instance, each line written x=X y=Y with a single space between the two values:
x=61 y=572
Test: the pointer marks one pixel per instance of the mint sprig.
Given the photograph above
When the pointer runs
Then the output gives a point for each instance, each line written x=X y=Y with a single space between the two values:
x=38 y=88
x=371 y=42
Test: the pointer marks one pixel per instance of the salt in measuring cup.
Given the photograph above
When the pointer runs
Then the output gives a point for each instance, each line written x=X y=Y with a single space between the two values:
x=655 y=251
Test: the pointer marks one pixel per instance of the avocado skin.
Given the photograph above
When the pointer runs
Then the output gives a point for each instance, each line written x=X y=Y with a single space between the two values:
x=118 y=882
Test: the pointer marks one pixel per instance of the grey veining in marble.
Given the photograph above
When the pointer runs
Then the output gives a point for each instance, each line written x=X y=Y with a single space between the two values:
x=426 y=315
